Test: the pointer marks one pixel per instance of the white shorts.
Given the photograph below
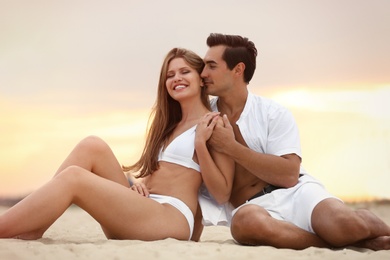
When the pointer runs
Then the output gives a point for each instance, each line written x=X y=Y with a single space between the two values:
x=294 y=205
x=178 y=204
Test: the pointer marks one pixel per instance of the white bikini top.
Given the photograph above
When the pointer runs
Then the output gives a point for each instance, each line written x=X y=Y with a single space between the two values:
x=181 y=150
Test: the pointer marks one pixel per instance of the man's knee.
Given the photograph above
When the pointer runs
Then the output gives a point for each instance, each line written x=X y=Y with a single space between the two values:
x=247 y=222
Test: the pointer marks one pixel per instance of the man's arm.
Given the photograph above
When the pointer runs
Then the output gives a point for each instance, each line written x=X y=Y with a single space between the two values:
x=280 y=171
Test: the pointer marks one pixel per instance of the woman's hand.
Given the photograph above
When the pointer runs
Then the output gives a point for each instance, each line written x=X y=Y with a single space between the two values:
x=223 y=136
x=140 y=188
x=205 y=127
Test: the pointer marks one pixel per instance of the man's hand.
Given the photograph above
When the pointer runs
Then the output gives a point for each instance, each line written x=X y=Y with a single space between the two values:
x=223 y=136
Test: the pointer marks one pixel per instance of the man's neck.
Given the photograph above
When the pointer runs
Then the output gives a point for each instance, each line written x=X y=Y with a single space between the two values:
x=233 y=104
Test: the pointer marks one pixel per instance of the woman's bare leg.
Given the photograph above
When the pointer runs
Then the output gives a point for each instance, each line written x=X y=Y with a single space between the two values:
x=30 y=218
x=123 y=212
x=94 y=155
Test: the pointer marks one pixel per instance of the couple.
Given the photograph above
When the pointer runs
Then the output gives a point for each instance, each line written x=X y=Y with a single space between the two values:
x=249 y=157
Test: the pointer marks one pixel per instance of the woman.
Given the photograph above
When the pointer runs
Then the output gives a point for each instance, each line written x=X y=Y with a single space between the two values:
x=173 y=164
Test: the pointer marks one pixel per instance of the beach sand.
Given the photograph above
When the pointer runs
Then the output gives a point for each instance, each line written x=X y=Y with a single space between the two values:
x=76 y=235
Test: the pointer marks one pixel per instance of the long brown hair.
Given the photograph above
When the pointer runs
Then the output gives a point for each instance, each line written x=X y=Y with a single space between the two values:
x=166 y=114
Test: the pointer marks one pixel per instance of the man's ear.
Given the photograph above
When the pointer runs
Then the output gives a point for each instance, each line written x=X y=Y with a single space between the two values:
x=239 y=68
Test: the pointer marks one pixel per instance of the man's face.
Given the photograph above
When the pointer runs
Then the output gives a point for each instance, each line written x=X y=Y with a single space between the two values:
x=216 y=75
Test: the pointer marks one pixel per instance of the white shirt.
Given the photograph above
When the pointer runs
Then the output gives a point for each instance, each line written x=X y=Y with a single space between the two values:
x=267 y=127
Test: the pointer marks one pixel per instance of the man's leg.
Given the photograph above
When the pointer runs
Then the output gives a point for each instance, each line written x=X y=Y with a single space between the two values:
x=341 y=226
x=253 y=225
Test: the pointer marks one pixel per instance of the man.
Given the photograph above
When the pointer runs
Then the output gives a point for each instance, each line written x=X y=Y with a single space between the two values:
x=276 y=202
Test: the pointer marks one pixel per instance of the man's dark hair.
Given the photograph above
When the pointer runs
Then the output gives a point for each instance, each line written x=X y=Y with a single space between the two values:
x=238 y=49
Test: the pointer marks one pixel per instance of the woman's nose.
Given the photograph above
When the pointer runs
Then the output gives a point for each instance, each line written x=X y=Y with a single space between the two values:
x=177 y=78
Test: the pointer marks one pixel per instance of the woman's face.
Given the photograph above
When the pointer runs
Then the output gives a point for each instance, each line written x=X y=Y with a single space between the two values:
x=182 y=80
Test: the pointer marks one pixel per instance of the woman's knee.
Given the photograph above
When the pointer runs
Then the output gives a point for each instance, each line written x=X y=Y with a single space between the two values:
x=93 y=144
x=71 y=174
x=75 y=182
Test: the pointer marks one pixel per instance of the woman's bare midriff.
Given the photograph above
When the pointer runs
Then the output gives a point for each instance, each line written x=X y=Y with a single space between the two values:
x=176 y=181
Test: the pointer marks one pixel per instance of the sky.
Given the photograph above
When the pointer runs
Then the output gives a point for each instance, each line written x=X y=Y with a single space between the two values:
x=69 y=69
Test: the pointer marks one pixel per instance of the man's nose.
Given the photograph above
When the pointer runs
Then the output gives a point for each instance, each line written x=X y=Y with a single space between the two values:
x=203 y=74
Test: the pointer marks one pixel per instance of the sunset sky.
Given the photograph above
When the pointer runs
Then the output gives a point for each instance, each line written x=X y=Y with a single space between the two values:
x=69 y=69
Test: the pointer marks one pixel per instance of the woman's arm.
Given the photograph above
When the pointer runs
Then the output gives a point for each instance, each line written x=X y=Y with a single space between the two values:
x=217 y=169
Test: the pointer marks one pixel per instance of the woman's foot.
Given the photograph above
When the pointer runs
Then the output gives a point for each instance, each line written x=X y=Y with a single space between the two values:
x=33 y=235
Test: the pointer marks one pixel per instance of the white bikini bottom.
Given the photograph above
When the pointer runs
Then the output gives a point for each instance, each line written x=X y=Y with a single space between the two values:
x=178 y=204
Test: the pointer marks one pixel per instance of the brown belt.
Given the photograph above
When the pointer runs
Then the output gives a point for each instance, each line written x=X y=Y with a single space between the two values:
x=267 y=189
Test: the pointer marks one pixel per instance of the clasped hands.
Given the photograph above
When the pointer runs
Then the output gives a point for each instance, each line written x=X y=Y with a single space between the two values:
x=216 y=131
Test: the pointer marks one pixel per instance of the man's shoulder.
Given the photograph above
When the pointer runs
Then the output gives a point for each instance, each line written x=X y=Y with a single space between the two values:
x=264 y=102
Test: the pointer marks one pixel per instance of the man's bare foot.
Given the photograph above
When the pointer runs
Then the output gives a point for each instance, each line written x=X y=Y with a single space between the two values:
x=379 y=243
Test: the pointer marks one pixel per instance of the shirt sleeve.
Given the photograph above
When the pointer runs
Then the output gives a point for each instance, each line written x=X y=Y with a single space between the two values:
x=283 y=134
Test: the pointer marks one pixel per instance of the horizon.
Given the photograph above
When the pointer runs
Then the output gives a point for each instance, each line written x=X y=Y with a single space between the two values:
x=333 y=132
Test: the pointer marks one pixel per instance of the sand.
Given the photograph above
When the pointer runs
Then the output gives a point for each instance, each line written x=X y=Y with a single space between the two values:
x=76 y=235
